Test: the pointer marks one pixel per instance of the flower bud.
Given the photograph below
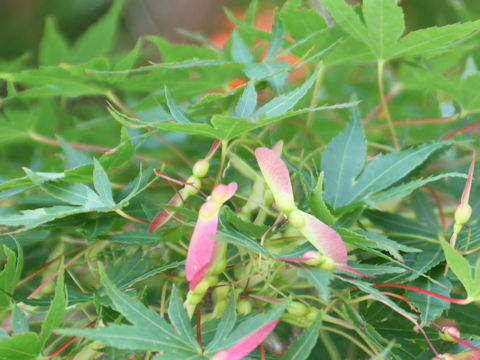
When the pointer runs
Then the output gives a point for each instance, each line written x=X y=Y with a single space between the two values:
x=244 y=307
x=297 y=308
x=285 y=204
x=462 y=214
x=327 y=263
x=312 y=258
x=200 y=169
x=447 y=332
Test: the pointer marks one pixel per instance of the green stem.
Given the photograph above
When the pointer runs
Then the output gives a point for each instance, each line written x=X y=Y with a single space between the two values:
x=329 y=344
x=222 y=162
x=316 y=89
x=380 y=66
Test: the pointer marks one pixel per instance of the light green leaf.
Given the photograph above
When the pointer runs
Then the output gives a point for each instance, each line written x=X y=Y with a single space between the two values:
x=128 y=337
x=385 y=25
x=303 y=345
x=459 y=265
x=237 y=238
x=346 y=17
x=19 y=321
x=317 y=204
x=75 y=158
x=102 y=184
x=407 y=188
x=318 y=278
x=276 y=38
x=53 y=47
x=175 y=110
x=240 y=51
x=388 y=169
x=10 y=275
x=285 y=102
x=248 y=101
x=24 y=346
x=172 y=52
x=145 y=319
x=57 y=308
x=343 y=160
x=433 y=38
x=99 y=37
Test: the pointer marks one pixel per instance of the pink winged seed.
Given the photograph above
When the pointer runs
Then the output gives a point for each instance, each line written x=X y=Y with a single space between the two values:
x=202 y=245
x=328 y=242
x=275 y=172
x=468 y=184
x=163 y=216
x=246 y=345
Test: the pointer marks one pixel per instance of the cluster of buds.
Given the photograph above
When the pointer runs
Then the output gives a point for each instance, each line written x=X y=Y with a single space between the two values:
x=206 y=257
x=464 y=210
x=299 y=314
x=192 y=186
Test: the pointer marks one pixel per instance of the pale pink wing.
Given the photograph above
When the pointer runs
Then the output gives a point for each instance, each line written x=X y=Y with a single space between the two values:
x=276 y=174
x=202 y=244
x=246 y=345
x=163 y=216
x=468 y=184
x=327 y=241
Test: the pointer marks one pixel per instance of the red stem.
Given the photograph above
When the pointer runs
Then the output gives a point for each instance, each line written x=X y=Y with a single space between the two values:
x=62 y=347
x=428 y=292
x=465 y=128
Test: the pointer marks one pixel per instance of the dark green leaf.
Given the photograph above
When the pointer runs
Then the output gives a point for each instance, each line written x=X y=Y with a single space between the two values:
x=102 y=184
x=57 y=308
x=303 y=345
x=343 y=160
x=53 y=47
x=226 y=324
x=318 y=278
x=179 y=318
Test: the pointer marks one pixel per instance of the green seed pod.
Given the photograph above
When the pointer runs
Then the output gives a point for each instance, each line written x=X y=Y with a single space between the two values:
x=462 y=214
x=219 y=266
x=193 y=298
x=244 y=307
x=212 y=280
x=190 y=190
x=297 y=308
x=201 y=287
x=296 y=219
x=268 y=197
x=221 y=292
x=220 y=307
x=312 y=314
x=200 y=169
x=327 y=264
